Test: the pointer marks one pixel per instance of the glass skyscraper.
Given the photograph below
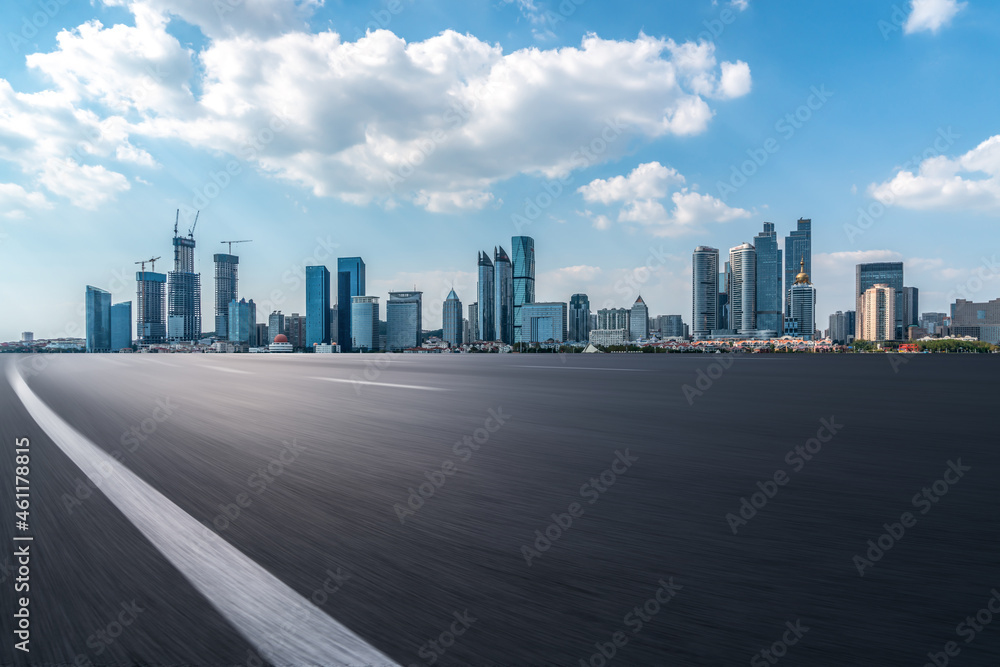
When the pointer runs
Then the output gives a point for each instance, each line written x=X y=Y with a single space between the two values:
x=242 y=321
x=404 y=320
x=523 y=248
x=487 y=298
x=98 y=304
x=639 y=320
x=350 y=283
x=226 y=291
x=317 y=306
x=474 y=322
x=364 y=325
x=798 y=248
x=743 y=288
x=769 y=270
x=121 y=325
x=451 y=320
x=151 y=318
x=544 y=322
x=579 y=318
x=704 y=291
x=184 y=290
x=503 y=320
x=879 y=273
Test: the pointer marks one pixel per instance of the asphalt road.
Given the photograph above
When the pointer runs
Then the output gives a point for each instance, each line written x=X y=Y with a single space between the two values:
x=399 y=509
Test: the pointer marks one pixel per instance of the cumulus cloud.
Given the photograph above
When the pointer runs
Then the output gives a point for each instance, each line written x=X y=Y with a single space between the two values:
x=87 y=186
x=642 y=193
x=970 y=181
x=931 y=15
x=15 y=200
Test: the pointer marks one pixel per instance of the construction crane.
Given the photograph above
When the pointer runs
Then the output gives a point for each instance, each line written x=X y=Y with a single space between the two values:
x=232 y=242
x=191 y=231
x=177 y=219
x=142 y=298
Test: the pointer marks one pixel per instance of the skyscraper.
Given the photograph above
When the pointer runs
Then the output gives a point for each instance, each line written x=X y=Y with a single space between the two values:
x=579 y=318
x=226 y=291
x=404 y=320
x=769 y=274
x=487 y=298
x=451 y=320
x=297 y=331
x=798 y=248
x=911 y=308
x=275 y=325
x=98 y=304
x=364 y=324
x=544 y=322
x=474 y=323
x=184 y=290
x=503 y=320
x=639 y=329
x=842 y=327
x=803 y=302
x=242 y=321
x=523 y=248
x=743 y=288
x=151 y=317
x=879 y=273
x=121 y=326
x=876 y=318
x=317 y=306
x=614 y=318
x=671 y=326
x=704 y=291
x=350 y=283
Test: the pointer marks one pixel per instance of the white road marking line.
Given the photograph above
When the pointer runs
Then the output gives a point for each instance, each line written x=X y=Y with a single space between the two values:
x=381 y=384
x=227 y=370
x=284 y=627
x=577 y=368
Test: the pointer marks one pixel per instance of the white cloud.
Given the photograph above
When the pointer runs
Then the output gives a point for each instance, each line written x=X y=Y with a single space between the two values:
x=931 y=15
x=642 y=192
x=735 y=81
x=220 y=18
x=741 y=5
x=87 y=186
x=970 y=181
x=14 y=199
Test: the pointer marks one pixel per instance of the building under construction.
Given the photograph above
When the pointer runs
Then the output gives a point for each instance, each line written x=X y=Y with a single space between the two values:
x=150 y=320
x=184 y=290
x=226 y=284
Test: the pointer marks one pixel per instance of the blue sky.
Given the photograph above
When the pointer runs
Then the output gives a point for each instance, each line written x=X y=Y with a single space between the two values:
x=415 y=133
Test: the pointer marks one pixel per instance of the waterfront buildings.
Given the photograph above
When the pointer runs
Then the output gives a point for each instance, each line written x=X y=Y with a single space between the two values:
x=876 y=318
x=364 y=324
x=544 y=322
x=242 y=321
x=614 y=318
x=121 y=326
x=404 y=320
x=276 y=325
x=504 y=299
x=798 y=250
x=350 y=284
x=911 y=307
x=882 y=273
x=802 y=297
x=769 y=280
x=297 y=328
x=978 y=319
x=842 y=327
x=487 y=298
x=743 y=288
x=452 y=330
x=151 y=317
x=98 y=309
x=474 y=334
x=607 y=337
x=523 y=249
x=670 y=326
x=639 y=320
x=226 y=290
x=317 y=323
x=704 y=291
x=579 y=318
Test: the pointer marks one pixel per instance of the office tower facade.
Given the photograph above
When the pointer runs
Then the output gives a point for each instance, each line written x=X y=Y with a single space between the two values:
x=977 y=319
x=614 y=318
x=704 y=291
x=451 y=320
x=184 y=291
x=579 y=318
x=350 y=283
x=317 y=306
x=151 y=306
x=275 y=325
x=297 y=331
x=503 y=320
x=262 y=339
x=770 y=270
x=27 y=336
x=486 y=293
x=466 y=331
x=802 y=295
x=639 y=320
x=404 y=320
x=743 y=288
x=474 y=334
x=876 y=319
x=334 y=324
x=798 y=249
x=121 y=326
x=842 y=326
x=933 y=322
x=242 y=321
x=883 y=273
x=523 y=248
x=98 y=303
x=670 y=326
x=364 y=324
x=544 y=322
x=226 y=290
x=911 y=308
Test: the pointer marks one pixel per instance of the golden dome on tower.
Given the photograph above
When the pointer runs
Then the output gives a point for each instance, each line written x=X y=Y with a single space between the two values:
x=803 y=277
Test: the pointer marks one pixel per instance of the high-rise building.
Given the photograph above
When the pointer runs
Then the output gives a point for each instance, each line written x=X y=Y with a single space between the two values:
x=121 y=326
x=704 y=291
x=242 y=321
x=769 y=274
x=614 y=318
x=743 y=288
x=978 y=319
x=262 y=339
x=523 y=248
x=364 y=324
x=350 y=283
x=883 y=273
x=842 y=326
x=593 y=321
x=876 y=318
x=27 y=336
x=467 y=331
x=297 y=331
x=98 y=304
x=474 y=334
x=226 y=291
x=184 y=291
x=334 y=324
x=798 y=249
x=451 y=320
x=503 y=302
x=670 y=326
x=275 y=326
x=803 y=301
x=544 y=322
x=911 y=307
x=151 y=318
x=486 y=293
x=579 y=318
x=639 y=320
x=404 y=320
x=317 y=306
x=933 y=322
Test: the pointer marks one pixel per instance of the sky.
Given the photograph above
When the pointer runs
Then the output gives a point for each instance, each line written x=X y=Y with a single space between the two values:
x=415 y=133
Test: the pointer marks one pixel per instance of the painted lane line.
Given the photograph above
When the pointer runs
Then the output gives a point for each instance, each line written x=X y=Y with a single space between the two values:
x=381 y=384
x=284 y=627
x=227 y=370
